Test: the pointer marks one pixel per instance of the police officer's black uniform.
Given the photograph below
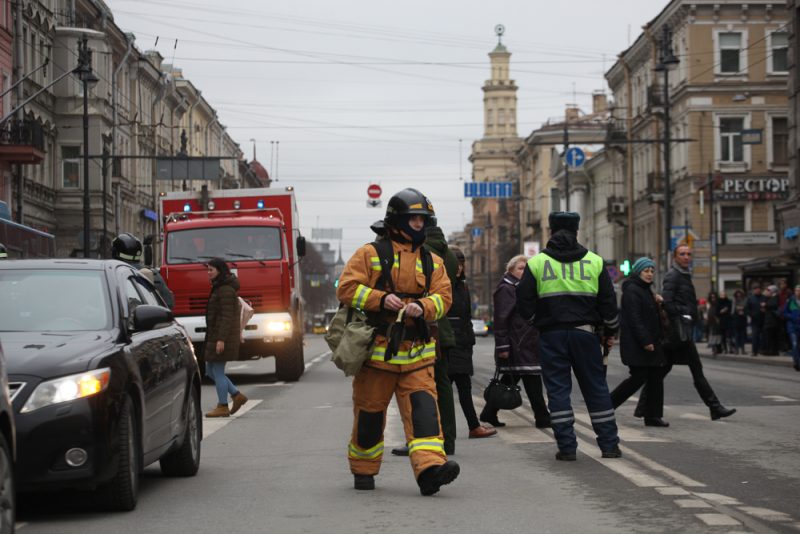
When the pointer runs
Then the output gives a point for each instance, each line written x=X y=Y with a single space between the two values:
x=568 y=295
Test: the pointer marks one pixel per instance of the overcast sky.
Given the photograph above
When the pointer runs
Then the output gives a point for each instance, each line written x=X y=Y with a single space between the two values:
x=357 y=92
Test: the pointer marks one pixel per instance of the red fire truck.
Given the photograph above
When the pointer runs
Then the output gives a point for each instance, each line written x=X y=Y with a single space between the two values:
x=256 y=232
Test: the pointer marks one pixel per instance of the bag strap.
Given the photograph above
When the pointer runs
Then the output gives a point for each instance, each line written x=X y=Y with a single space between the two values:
x=427 y=267
x=386 y=257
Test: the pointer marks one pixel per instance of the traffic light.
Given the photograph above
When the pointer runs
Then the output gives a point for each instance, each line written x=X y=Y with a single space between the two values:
x=625 y=267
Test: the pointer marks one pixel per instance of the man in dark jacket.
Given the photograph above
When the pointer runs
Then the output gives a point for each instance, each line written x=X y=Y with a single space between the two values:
x=680 y=303
x=772 y=322
x=752 y=309
x=568 y=295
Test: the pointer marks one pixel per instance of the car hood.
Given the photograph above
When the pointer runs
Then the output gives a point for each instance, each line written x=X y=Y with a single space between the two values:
x=52 y=354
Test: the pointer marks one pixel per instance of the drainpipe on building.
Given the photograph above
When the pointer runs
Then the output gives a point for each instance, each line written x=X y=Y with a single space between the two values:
x=115 y=188
x=18 y=46
x=629 y=155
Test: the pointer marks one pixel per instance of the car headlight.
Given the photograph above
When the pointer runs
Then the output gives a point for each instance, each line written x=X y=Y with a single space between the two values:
x=67 y=388
x=279 y=326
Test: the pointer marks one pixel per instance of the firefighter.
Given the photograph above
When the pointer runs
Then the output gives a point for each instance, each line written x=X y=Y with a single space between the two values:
x=3 y=252
x=126 y=247
x=568 y=296
x=403 y=366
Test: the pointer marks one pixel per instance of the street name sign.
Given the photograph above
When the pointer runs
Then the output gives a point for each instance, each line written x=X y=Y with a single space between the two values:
x=489 y=189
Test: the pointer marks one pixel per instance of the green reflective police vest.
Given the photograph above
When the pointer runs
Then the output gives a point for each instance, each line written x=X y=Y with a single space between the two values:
x=579 y=278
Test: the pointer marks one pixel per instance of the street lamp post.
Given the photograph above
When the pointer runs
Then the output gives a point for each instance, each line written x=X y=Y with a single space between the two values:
x=87 y=77
x=667 y=60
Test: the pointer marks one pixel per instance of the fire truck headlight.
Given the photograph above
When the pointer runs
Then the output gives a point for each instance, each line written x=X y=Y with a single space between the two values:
x=211 y=205
x=187 y=207
x=279 y=326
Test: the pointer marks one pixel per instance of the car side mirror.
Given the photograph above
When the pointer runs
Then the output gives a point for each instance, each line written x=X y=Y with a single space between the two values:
x=301 y=246
x=147 y=317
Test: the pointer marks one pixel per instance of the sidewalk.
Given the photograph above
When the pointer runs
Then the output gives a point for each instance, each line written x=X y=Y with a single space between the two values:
x=781 y=361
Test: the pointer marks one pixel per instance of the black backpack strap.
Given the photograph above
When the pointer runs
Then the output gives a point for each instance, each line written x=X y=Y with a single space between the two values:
x=427 y=267
x=386 y=256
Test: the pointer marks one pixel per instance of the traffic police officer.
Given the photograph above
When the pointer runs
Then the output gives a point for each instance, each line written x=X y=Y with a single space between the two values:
x=404 y=370
x=568 y=295
x=126 y=247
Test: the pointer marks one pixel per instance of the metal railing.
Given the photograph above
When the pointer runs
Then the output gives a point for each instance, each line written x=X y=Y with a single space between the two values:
x=25 y=132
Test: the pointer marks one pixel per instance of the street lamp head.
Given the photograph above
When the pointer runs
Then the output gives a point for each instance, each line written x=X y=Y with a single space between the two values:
x=89 y=77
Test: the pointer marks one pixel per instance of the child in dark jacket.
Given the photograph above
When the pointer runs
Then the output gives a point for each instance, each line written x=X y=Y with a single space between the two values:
x=740 y=330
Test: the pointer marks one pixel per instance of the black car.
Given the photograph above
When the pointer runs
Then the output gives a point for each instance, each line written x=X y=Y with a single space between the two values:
x=104 y=381
x=7 y=446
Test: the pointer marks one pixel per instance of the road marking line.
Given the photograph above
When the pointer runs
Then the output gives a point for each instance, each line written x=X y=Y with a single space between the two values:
x=718 y=499
x=672 y=490
x=621 y=466
x=717 y=520
x=212 y=425
x=317 y=359
x=779 y=398
x=626 y=433
x=765 y=513
x=272 y=384
x=693 y=417
x=691 y=503
x=680 y=479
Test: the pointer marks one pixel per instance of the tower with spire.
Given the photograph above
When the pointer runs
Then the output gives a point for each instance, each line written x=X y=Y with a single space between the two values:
x=492 y=159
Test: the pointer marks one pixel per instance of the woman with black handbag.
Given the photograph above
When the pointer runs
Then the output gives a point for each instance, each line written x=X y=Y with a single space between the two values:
x=516 y=346
x=641 y=344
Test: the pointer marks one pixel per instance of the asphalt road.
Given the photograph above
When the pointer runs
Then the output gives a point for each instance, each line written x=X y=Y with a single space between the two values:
x=280 y=466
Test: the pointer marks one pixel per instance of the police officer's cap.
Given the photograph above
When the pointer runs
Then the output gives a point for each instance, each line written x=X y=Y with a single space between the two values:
x=564 y=220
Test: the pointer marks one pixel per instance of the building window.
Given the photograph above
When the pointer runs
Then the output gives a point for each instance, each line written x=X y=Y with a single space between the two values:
x=730 y=136
x=730 y=49
x=70 y=167
x=780 y=141
x=779 y=52
x=732 y=219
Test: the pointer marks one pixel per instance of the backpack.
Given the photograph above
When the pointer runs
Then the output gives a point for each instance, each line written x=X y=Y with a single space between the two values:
x=245 y=314
x=351 y=333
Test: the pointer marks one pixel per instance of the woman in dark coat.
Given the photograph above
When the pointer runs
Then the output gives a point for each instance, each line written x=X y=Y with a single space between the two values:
x=459 y=364
x=223 y=335
x=641 y=343
x=516 y=346
x=724 y=309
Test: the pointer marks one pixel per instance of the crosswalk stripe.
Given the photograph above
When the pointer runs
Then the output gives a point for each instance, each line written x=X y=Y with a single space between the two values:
x=212 y=425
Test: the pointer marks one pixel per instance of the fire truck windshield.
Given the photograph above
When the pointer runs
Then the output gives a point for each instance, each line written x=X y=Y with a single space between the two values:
x=237 y=243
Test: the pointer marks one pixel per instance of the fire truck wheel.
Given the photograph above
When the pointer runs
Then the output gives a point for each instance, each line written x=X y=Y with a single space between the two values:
x=290 y=365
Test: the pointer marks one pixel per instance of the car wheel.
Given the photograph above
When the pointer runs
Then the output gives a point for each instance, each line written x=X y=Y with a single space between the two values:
x=290 y=364
x=185 y=460
x=7 y=501
x=122 y=492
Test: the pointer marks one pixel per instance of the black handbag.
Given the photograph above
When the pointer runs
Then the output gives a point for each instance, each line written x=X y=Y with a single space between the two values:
x=502 y=396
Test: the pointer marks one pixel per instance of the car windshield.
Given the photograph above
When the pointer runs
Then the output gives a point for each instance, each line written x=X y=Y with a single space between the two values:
x=53 y=301
x=240 y=243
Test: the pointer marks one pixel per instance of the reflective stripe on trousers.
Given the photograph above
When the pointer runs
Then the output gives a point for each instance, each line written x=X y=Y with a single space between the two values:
x=565 y=351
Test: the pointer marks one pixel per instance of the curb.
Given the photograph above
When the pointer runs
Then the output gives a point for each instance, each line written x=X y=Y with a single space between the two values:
x=779 y=361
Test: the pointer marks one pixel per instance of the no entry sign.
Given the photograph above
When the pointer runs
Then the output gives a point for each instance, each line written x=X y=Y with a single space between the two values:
x=374 y=191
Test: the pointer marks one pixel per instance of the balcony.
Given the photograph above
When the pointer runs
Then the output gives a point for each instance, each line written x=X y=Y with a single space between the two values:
x=22 y=142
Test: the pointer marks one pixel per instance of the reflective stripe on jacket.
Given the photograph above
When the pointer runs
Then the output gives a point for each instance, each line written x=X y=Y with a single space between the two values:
x=357 y=288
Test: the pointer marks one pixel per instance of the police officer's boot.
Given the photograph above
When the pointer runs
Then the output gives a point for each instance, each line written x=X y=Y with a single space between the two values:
x=364 y=482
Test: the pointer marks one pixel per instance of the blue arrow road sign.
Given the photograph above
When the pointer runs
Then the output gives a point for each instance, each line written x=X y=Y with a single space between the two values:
x=575 y=157
x=488 y=189
x=476 y=231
